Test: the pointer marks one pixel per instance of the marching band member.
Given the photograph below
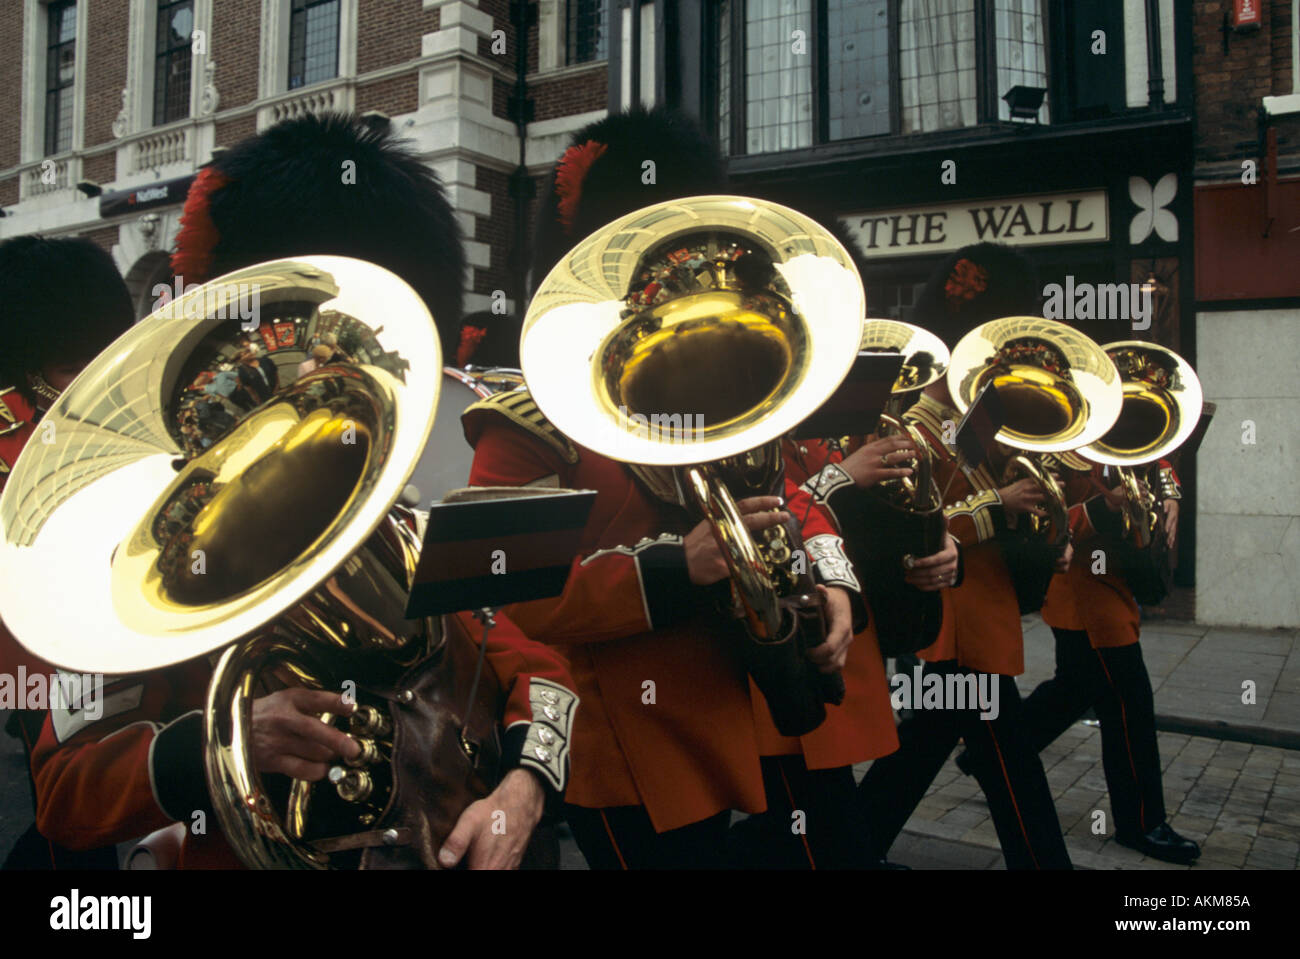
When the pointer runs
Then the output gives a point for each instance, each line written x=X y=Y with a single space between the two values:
x=63 y=301
x=1096 y=623
x=668 y=745
x=980 y=638
x=813 y=773
x=139 y=765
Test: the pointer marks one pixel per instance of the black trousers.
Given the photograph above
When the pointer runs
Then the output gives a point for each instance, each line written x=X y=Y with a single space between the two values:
x=829 y=833
x=1114 y=682
x=1002 y=758
x=622 y=837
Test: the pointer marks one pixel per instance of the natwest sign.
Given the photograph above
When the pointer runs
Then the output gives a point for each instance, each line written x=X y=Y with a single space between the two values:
x=1019 y=221
x=142 y=198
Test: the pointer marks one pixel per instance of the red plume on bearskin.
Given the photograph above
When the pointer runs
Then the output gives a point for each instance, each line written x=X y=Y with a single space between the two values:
x=198 y=235
x=569 y=174
x=470 y=338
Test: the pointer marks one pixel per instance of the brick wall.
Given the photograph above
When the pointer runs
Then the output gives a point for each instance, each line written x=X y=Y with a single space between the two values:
x=104 y=237
x=574 y=93
x=11 y=87
x=389 y=31
x=101 y=168
x=391 y=96
x=236 y=48
x=498 y=230
x=499 y=11
x=1229 y=88
x=106 y=39
x=229 y=132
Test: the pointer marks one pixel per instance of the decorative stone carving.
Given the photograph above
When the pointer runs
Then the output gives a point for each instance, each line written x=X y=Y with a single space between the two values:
x=209 y=99
x=149 y=230
x=122 y=123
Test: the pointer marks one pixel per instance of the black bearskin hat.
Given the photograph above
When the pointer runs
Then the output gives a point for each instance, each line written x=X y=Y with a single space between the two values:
x=600 y=176
x=61 y=301
x=327 y=184
x=976 y=284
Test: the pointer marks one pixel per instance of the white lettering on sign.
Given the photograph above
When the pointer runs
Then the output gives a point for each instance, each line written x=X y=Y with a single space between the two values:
x=1018 y=221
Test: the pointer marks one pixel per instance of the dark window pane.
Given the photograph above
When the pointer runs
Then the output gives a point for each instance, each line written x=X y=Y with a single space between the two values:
x=172 y=60
x=313 y=42
x=857 y=68
x=586 y=31
x=60 y=75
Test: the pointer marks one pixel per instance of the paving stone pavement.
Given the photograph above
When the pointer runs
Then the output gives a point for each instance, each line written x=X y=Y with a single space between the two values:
x=1198 y=672
x=1240 y=801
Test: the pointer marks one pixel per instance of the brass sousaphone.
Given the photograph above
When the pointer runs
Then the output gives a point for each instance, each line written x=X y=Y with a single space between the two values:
x=685 y=339
x=925 y=360
x=1161 y=408
x=191 y=510
x=902 y=517
x=1059 y=391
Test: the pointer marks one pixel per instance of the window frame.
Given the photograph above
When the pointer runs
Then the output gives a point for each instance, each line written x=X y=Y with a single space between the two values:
x=986 y=67
x=570 y=41
x=339 y=36
x=49 y=133
x=157 y=58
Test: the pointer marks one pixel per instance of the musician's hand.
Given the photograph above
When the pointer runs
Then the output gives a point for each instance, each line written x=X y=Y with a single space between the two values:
x=878 y=460
x=1114 y=498
x=1171 y=522
x=288 y=736
x=517 y=805
x=935 y=571
x=831 y=655
x=1063 y=561
x=704 y=559
x=1022 y=496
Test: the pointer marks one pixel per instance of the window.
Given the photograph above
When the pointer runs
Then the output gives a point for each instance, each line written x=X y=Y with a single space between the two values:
x=586 y=34
x=171 y=77
x=60 y=73
x=795 y=73
x=313 y=42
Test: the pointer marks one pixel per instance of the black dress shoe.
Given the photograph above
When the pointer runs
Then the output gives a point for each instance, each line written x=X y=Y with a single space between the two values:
x=1164 y=844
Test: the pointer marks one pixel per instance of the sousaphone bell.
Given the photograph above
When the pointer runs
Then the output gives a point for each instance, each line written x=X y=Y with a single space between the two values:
x=196 y=509
x=685 y=339
x=1059 y=391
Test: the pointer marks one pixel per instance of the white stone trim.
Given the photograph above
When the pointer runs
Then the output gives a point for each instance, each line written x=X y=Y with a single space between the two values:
x=551 y=39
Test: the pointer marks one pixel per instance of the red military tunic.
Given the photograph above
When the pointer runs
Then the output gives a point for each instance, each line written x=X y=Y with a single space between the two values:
x=981 y=617
x=1100 y=604
x=668 y=721
x=17 y=425
x=860 y=728
x=138 y=766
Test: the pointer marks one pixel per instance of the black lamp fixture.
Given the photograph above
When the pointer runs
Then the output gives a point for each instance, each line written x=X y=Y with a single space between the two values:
x=1025 y=101
x=376 y=120
x=90 y=188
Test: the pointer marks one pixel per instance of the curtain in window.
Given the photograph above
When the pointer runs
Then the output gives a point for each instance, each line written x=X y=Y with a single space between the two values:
x=778 y=75
x=1020 y=50
x=937 y=64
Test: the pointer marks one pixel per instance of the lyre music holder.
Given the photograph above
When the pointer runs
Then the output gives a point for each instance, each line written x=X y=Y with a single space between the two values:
x=855 y=406
x=487 y=547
